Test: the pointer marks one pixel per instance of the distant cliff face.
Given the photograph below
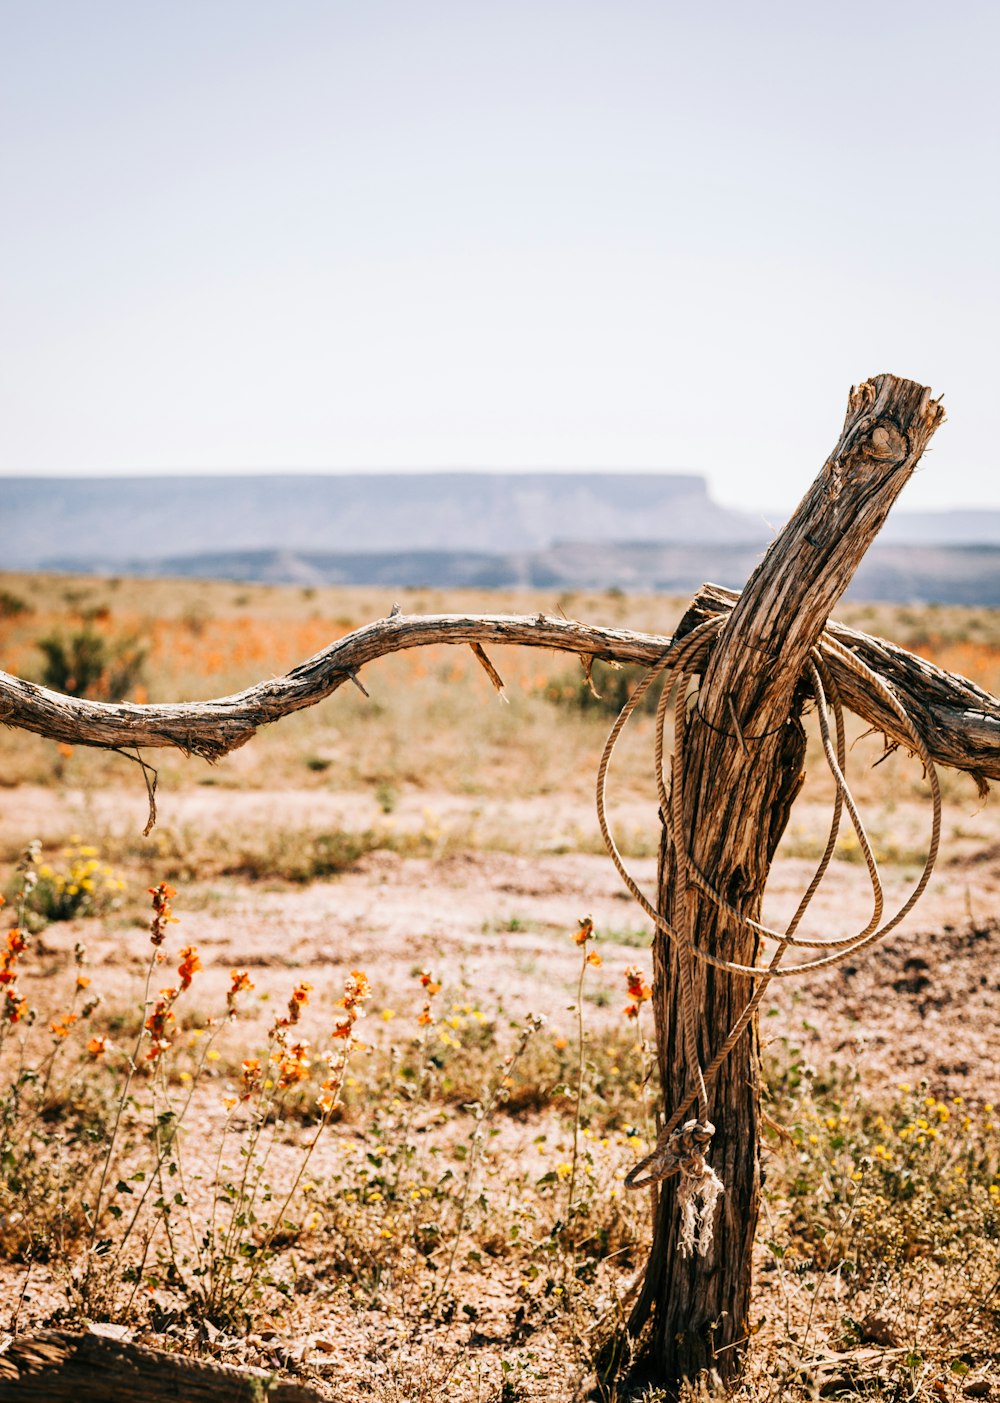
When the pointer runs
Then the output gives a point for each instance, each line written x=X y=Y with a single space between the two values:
x=117 y=520
x=558 y=531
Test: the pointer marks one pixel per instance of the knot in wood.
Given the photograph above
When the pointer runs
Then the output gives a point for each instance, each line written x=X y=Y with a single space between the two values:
x=887 y=444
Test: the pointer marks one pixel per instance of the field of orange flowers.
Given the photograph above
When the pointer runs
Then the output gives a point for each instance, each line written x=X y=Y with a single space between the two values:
x=331 y=1075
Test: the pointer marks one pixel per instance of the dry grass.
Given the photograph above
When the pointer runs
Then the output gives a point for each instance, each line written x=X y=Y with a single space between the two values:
x=430 y=1248
x=436 y=1205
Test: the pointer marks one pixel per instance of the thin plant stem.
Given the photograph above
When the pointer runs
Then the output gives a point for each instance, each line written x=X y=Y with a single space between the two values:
x=644 y=1070
x=279 y=1216
x=579 y=1084
x=209 y=1264
x=484 y=1119
x=132 y=1067
x=163 y=1149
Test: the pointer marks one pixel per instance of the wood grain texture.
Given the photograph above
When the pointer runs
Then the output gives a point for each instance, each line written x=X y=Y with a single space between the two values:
x=736 y=802
x=212 y=729
x=62 y=1366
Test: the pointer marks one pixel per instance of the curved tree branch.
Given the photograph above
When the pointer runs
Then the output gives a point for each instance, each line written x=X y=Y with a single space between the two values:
x=212 y=729
x=960 y=721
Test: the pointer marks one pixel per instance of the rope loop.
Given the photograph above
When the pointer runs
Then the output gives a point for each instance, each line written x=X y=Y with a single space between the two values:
x=681 y=1147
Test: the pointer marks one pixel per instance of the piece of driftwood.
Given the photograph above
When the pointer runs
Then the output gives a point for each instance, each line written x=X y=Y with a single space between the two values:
x=744 y=747
x=62 y=1366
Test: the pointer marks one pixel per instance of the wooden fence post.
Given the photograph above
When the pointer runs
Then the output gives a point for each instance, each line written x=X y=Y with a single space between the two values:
x=744 y=748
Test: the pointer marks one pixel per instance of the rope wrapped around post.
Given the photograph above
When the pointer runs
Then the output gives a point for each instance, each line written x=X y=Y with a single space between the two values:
x=682 y=1143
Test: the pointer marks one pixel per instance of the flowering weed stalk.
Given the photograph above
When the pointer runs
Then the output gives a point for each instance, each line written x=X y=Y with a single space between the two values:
x=166 y=1125
x=15 y=1005
x=156 y=1036
x=583 y=936
x=639 y=993
x=263 y=1085
x=225 y=1290
x=32 y=1158
x=412 y=1093
x=162 y=917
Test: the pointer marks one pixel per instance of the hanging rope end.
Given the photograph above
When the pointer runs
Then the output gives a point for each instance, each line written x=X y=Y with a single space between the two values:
x=698 y=1198
x=682 y=1151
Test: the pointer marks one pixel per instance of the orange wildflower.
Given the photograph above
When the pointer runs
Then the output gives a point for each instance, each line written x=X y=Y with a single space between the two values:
x=83 y=981
x=60 y=1028
x=638 y=989
x=15 y=1007
x=294 y=1065
x=97 y=1047
x=189 y=965
x=159 y=1024
x=250 y=1076
x=163 y=916
x=594 y=959
x=433 y=987
x=356 y=990
x=586 y=930
x=17 y=943
x=298 y=1001
x=241 y=984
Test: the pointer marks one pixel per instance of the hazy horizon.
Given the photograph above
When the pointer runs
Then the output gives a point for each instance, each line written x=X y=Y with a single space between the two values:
x=771 y=511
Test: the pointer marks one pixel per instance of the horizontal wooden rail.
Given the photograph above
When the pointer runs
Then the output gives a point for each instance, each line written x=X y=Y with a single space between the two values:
x=960 y=721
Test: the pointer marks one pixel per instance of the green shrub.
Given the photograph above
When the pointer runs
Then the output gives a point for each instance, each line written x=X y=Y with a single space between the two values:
x=611 y=690
x=86 y=664
x=12 y=606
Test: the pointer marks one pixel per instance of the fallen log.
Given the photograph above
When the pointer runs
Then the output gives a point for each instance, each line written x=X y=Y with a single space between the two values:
x=62 y=1366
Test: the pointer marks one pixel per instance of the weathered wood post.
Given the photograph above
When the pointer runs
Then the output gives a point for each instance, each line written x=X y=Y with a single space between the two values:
x=744 y=747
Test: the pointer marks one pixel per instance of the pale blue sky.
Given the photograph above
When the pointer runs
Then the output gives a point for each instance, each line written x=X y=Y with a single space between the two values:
x=413 y=233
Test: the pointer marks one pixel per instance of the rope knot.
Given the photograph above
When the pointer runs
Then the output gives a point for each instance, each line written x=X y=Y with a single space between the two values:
x=682 y=1151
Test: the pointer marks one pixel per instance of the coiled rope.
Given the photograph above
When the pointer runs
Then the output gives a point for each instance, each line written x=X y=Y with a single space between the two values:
x=682 y=1143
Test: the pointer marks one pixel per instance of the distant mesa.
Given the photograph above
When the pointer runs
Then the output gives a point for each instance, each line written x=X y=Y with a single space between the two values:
x=566 y=530
x=492 y=512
